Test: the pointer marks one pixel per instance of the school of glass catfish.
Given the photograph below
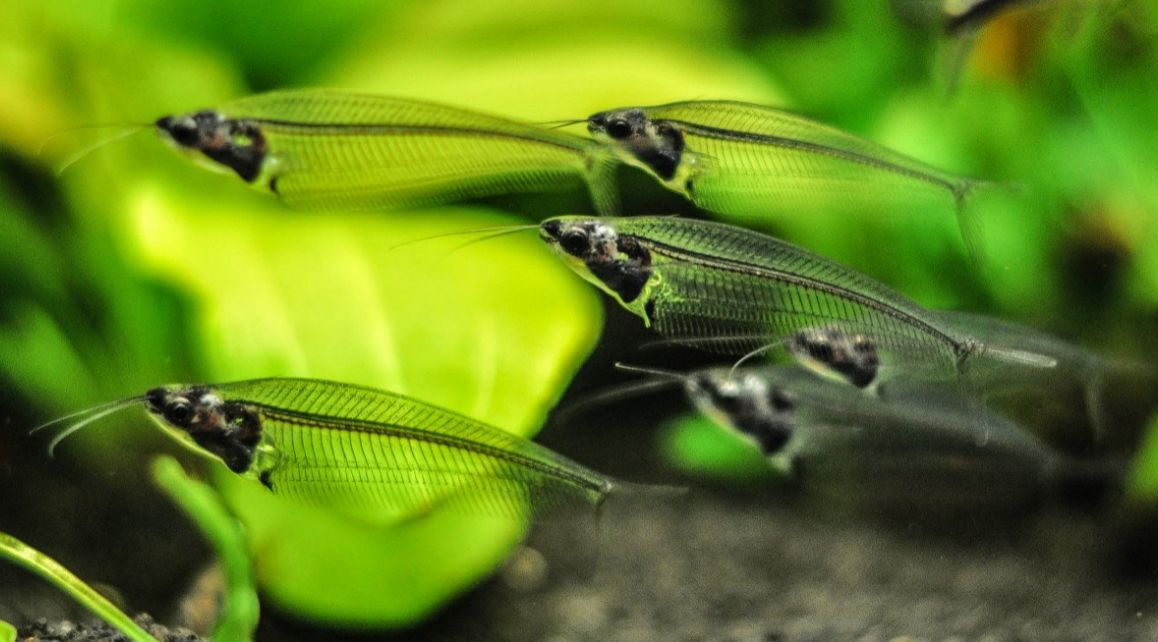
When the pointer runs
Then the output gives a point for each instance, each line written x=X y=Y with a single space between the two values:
x=878 y=392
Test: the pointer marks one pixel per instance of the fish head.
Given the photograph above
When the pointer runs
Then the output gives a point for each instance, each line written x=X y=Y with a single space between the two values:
x=746 y=403
x=233 y=144
x=653 y=144
x=617 y=263
x=832 y=353
x=618 y=124
x=199 y=417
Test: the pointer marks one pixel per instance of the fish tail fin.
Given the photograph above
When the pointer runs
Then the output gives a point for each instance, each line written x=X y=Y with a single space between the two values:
x=967 y=193
x=630 y=492
x=953 y=58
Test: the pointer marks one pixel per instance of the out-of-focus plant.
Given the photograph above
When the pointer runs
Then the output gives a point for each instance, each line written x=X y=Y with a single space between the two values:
x=1144 y=476
x=237 y=617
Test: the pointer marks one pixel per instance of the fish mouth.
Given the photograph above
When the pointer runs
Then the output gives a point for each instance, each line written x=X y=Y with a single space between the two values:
x=155 y=400
x=595 y=124
x=549 y=231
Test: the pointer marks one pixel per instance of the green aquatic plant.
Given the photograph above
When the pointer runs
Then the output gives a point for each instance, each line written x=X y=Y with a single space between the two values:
x=21 y=554
x=239 y=611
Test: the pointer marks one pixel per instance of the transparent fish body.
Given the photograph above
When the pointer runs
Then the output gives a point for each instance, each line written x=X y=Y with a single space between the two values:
x=360 y=451
x=753 y=161
x=1078 y=370
x=734 y=291
x=321 y=148
x=919 y=449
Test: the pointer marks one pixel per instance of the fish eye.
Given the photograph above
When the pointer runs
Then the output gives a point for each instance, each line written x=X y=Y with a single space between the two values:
x=618 y=129
x=574 y=241
x=179 y=412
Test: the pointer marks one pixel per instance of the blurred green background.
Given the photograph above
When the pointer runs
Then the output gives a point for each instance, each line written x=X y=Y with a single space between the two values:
x=134 y=267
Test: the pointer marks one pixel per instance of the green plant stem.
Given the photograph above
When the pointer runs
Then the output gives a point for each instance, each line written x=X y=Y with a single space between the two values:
x=239 y=610
x=24 y=555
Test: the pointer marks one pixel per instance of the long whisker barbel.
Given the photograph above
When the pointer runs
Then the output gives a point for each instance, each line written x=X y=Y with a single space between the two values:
x=87 y=127
x=77 y=156
x=89 y=415
x=493 y=236
x=752 y=354
x=559 y=124
x=670 y=375
x=488 y=232
x=665 y=379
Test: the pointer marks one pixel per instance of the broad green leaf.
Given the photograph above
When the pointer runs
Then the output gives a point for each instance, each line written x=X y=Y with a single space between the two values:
x=560 y=60
x=7 y=632
x=322 y=566
x=493 y=330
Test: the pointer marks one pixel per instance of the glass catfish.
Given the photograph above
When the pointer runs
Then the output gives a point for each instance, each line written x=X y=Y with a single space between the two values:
x=734 y=291
x=920 y=449
x=751 y=161
x=322 y=148
x=831 y=352
x=363 y=451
